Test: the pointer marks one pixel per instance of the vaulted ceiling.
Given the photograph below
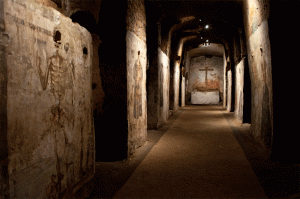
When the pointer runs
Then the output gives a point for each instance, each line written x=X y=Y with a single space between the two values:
x=215 y=21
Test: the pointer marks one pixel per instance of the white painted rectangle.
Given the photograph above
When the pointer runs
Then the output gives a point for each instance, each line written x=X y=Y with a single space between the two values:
x=205 y=97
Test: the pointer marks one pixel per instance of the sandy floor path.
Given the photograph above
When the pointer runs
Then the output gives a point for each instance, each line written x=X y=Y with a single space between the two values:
x=197 y=157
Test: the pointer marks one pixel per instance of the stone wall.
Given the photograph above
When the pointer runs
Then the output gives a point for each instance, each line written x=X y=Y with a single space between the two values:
x=176 y=85
x=69 y=7
x=50 y=134
x=136 y=60
x=239 y=91
x=187 y=61
x=4 y=41
x=48 y=3
x=164 y=87
x=182 y=91
x=229 y=90
x=225 y=81
x=259 y=57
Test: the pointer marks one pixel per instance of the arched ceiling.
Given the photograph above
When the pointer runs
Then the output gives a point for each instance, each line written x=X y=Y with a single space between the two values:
x=189 y=18
x=213 y=49
x=206 y=10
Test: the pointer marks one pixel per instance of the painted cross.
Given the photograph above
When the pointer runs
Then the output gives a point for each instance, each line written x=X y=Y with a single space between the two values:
x=206 y=69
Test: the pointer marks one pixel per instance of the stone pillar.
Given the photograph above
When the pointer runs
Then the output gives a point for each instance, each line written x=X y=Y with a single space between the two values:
x=45 y=76
x=225 y=81
x=176 y=84
x=164 y=87
x=256 y=15
x=229 y=89
x=136 y=63
x=239 y=91
x=183 y=91
x=4 y=42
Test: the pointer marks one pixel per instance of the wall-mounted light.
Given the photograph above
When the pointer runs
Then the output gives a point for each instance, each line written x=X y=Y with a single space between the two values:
x=200 y=20
x=206 y=43
x=206 y=26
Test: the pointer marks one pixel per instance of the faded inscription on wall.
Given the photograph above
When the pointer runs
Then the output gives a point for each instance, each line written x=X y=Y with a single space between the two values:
x=13 y=19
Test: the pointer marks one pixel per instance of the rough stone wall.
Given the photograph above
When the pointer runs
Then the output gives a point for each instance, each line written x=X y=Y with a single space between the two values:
x=164 y=87
x=239 y=91
x=69 y=7
x=259 y=57
x=48 y=3
x=50 y=133
x=176 y=85
x=187 y=74
x=183 y=91
x=159 y=78
x=225 y=81
x=177 y=76
x=210 y=80
x=4 y=40
x=229 y=89
x=136 y=60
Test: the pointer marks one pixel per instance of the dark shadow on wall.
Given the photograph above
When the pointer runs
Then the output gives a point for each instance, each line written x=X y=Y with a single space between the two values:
x=279 y=180
x=247 y=94
x=4 y=178
x=111 y=125
x=284 y=53
x=152 y=72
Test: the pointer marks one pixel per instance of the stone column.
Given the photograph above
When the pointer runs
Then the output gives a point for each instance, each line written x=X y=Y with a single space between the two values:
x=229 y=89
x=136 y=63
x=176 y=85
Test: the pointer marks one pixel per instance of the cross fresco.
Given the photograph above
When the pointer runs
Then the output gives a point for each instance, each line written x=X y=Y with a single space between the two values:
x=206 y=69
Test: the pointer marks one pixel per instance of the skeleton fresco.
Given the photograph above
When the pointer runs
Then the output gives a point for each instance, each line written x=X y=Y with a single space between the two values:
x=61 y=75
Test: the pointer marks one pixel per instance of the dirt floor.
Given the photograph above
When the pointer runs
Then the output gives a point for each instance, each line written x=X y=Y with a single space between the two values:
x=201 y=152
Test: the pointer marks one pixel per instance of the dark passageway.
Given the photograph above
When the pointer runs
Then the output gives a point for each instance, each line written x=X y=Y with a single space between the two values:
x=148 y=98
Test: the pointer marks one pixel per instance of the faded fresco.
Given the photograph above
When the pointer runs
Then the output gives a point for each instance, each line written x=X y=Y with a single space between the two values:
x=60 y=73
x=136 y=91
x=206 y=74
x=138 y=74
x=49 y=93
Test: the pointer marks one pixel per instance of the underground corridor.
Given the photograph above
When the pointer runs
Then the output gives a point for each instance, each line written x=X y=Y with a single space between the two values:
x=149 y=99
